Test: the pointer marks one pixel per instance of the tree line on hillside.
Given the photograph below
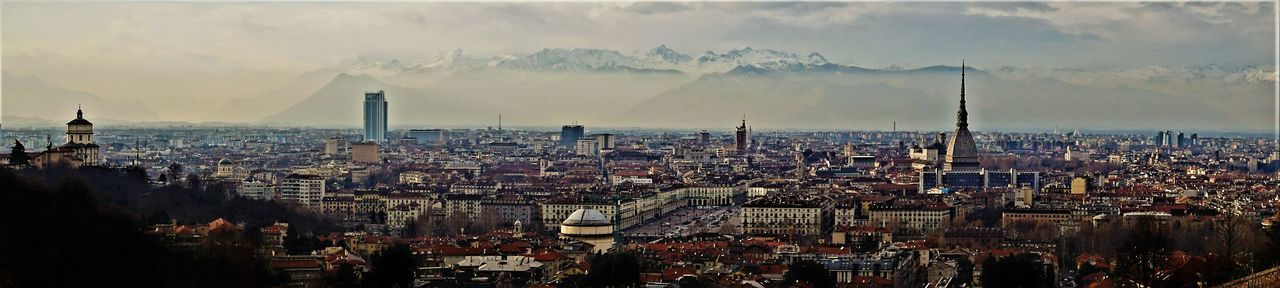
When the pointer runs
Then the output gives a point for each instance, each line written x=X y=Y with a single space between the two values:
x=61 y=234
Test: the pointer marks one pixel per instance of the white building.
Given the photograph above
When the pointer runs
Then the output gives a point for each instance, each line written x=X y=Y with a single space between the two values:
x=307 y=190
x=413 y=177
x=253 y=188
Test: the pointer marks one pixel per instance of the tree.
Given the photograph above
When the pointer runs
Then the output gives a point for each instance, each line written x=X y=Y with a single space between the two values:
x=193 y=182
x=810 y=272
x=1022 y=270
x=1270 y=254
x=392 y=267
x=1139 y=250
x=18 y=155
x=1228 y=233
x=345 y=276
x=614 y=269
x=175 y=171
x=85 y=198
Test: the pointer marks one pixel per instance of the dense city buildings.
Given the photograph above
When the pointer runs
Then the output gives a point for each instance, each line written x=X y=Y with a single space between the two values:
x=539 y=206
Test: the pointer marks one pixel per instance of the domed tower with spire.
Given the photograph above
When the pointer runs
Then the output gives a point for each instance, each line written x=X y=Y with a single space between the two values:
x=80 y=139
x=962 y=151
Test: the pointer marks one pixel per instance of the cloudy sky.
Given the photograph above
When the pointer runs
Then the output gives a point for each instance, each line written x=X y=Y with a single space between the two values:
x=180 y=56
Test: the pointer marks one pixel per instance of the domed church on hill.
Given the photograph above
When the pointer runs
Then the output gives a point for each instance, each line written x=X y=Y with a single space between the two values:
x=79 y=149
x=80 y=139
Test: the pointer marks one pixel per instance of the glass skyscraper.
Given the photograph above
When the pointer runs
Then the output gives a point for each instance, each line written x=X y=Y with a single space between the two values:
x=375 y=116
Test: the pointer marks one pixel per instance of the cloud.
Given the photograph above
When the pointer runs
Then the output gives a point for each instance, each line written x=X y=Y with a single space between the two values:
x=650 y=8
x=201 y=47
x=1016 y=6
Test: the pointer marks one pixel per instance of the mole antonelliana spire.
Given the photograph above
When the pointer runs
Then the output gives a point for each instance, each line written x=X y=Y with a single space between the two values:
x=962 y=151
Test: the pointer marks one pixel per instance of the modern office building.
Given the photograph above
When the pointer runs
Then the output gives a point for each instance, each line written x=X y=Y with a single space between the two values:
x=569 y=135
x=375 y=116
x=740 y=138
x=606 y=141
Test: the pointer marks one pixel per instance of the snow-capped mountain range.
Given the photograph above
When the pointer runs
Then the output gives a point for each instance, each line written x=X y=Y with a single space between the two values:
x=660 y=58
x=1148 y=75
x=664 y=59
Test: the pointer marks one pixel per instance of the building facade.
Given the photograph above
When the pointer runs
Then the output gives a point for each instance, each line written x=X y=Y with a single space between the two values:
x=307 y=190
x=375 y=116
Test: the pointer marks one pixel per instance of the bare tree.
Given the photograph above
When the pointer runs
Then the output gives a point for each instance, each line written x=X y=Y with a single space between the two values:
x=1228 y=235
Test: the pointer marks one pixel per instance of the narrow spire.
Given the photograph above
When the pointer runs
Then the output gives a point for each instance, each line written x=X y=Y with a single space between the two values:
x=962 y=117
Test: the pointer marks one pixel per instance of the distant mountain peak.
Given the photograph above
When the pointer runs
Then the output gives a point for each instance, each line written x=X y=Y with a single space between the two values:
x=817 y=58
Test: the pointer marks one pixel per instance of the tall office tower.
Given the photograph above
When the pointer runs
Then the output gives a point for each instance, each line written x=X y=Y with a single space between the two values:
x=569 y=135
x=1182 y=141
x=375 y=116
x=1168 y=138
x=1159 y=138
x=1195 y=137
x=606 y=141
x=704 y=137
x=740 y=138
x=962 y=151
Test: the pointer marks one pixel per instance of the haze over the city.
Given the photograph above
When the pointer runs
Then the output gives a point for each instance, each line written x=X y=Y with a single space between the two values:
x=1093 y=66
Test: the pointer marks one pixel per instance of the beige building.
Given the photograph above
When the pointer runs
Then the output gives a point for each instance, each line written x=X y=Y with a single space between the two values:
x=413 y=177
x=1079 y=186
x=364 y=152
x=924 y=217
x=334 y=146
x=787 y=216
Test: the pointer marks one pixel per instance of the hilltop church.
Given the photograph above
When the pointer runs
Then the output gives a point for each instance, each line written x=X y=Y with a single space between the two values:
x=79 y=149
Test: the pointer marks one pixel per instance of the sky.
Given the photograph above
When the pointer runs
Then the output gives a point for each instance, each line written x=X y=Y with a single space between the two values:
x=181 y=57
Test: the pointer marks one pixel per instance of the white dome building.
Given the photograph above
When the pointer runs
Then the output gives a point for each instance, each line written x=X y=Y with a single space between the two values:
x=590 y=226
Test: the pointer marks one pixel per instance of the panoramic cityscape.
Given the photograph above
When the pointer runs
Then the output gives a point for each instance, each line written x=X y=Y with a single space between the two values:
x=1005 y=144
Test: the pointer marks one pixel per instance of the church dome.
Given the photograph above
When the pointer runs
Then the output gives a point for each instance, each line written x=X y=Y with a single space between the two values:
x=79 y=119
x=224 y=161
x=587 y=217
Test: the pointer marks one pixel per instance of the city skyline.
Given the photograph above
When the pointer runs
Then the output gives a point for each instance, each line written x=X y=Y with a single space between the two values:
x=640 y=144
